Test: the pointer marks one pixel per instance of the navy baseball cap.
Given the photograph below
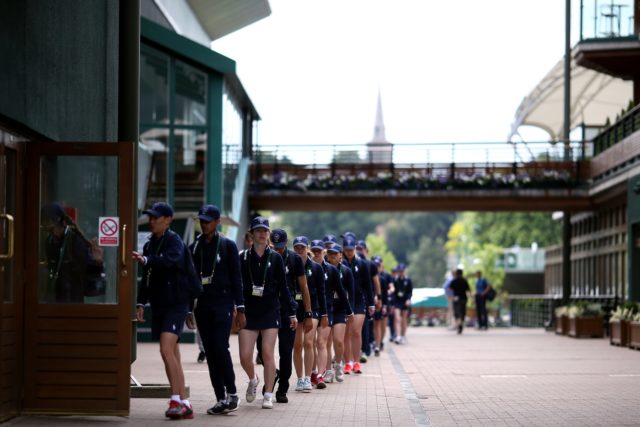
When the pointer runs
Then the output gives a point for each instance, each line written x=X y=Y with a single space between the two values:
x=159 y=209
x=259 y=222
x=209 y=213
x=349 y=234
x=376 y=260
x=361 y=244
x=317 y=244
x=54 y=212
x=336 y=248
x=401 y=267
x=279 y=238
x=300 y=241
x=349 y=243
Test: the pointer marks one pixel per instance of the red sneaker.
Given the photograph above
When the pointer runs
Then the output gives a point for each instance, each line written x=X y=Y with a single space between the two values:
x=347 y=369
x=321 y=384
x=314 y=378
x=175 y=411
x=188 y=412
x=356 y=368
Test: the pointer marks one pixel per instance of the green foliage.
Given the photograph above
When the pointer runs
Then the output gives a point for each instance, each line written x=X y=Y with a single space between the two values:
x=427 y=265
x=506 y=229
x=315 y=225
x=404 y=232
x=377 y=246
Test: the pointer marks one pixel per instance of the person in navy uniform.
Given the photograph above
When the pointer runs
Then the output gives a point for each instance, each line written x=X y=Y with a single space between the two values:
x=368 y=340
x=318 y=314
x=296 y=279
x=363 y=303
x=379 y=318
x=217 y=262
x=162 y=286
x=402 y=302
x=336 y=297
x=265 y=294
x=342 y=313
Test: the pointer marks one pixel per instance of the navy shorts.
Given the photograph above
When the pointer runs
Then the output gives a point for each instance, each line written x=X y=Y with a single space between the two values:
x=359 y=308
x=168 y=320
x=378 y=315
x=339 y=317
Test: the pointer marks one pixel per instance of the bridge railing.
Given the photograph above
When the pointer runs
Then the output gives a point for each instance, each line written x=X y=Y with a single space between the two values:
x=418 y=166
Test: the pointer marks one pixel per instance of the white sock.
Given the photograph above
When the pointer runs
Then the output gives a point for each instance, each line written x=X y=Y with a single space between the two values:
x=176 y=397
x=254 y=380
x=268 y=395
x=186 y=403
x=307 y=378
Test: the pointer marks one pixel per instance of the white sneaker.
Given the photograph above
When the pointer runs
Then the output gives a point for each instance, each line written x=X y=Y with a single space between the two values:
x=328 y=376
x=306 y=386
x=267 y=402
x=300 y=384
x=339 y=373
x=252 y=388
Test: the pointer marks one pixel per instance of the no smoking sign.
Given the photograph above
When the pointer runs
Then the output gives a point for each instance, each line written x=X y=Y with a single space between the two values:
x=108 y=231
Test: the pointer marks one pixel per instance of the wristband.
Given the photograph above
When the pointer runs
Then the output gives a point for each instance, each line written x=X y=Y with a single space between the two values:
x=240 y=309
x=379 y=296
x=308 y=314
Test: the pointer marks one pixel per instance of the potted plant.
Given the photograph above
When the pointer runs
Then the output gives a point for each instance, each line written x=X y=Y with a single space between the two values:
x=562 y=321
x=619 y=323
x=585 y=320
x=634 y=332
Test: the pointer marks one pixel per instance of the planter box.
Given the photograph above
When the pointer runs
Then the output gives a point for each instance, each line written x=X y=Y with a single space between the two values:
x=586 y=327
x=634 y=335
x=562 y=325
x=619 y=333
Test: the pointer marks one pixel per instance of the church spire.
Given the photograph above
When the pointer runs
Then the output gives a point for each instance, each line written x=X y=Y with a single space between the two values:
x=378 y=130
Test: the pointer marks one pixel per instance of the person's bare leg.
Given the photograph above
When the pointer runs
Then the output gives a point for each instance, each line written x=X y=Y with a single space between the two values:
x=356 y=336
x=247 y=342
x=170 y=353
x=338 y=333
x=308 y=348
x=321 y=346
x=297 y=350
x=268 y=360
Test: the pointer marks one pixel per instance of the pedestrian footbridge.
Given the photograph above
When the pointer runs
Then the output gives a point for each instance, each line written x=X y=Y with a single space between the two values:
x=421 y=177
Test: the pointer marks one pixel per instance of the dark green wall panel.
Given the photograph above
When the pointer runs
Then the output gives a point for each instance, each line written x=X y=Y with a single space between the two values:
x=60 y=67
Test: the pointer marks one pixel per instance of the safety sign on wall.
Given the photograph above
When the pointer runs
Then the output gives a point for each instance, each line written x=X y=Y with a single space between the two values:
x=108 y=231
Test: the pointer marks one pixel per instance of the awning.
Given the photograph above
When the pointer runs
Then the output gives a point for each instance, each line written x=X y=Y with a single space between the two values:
x=221 y=17
x=594 y=97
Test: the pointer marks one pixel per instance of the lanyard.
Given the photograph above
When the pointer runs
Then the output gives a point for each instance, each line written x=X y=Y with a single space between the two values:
x=53 y=277
x=215 y=258
x=266 y=267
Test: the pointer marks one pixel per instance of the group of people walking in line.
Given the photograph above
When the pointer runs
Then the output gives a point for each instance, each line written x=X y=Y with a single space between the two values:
x=325 y=303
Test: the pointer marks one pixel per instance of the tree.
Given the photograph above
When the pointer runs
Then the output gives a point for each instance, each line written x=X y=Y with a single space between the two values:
x=428 y=265
x=378 y=246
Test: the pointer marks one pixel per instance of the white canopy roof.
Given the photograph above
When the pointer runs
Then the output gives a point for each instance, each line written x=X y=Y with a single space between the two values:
x=594 y=97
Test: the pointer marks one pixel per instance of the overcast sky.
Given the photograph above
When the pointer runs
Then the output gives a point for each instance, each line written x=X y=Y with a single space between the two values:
x=448 y=70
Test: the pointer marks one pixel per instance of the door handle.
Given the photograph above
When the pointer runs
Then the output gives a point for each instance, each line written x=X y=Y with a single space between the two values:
x=123 y=251
x=9 y=253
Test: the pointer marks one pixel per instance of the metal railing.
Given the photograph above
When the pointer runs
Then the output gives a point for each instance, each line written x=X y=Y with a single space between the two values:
x=626 y=125
x=419 y=153
x=418 y=166
x=606 y=19
x=537 y=311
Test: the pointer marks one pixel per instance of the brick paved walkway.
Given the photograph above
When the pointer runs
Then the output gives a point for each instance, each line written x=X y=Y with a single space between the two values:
x=500 y=377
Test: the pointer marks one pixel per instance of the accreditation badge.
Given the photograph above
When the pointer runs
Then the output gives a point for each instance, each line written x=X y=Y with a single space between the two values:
x=298 y=296
x=206 y=280
x=257 y=291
